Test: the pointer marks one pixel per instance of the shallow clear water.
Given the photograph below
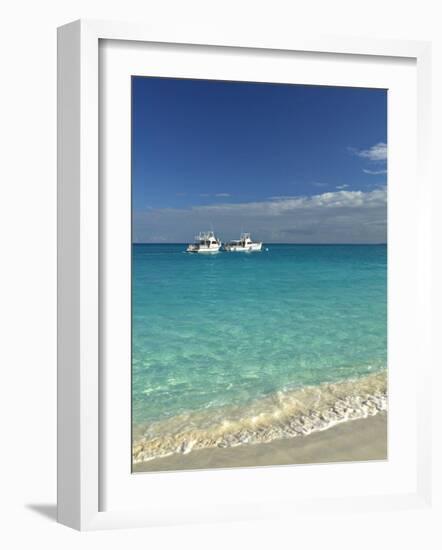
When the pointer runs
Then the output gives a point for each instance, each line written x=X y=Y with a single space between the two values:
x=221 y=332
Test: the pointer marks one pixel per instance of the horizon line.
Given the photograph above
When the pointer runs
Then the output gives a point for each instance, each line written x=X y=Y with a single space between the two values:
x=297 y=244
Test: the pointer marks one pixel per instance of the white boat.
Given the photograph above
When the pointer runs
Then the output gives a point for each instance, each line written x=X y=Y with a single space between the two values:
x=205 y=243
x=244 y=244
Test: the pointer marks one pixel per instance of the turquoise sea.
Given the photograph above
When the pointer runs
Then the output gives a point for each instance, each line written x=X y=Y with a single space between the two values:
x=245 y=347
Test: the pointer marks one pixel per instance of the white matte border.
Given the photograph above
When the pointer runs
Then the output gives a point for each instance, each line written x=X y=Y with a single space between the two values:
x=234 y=490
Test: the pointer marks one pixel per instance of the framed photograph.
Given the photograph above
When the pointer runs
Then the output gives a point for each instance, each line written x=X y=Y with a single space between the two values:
x=243 y=276
x=265 y=346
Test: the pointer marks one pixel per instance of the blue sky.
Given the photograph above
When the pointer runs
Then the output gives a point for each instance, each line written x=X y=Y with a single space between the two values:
x=289 y=163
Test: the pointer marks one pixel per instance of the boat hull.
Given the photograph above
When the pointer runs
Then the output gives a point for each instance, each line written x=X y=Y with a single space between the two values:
x=203 y=250
x=255 y=247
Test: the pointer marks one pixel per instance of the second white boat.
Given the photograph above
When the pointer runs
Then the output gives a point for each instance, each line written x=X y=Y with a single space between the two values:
x=244 y=244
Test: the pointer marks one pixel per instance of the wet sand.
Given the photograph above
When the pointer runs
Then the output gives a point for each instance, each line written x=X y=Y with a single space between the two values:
x=355 y=440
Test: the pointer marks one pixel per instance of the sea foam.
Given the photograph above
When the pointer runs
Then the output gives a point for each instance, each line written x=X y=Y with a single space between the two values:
x=284 y=414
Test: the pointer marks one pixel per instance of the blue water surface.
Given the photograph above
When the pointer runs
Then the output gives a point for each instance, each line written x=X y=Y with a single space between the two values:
x=224 y=329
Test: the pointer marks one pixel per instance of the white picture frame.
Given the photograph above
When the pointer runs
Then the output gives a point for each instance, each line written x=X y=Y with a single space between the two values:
x=79 y=275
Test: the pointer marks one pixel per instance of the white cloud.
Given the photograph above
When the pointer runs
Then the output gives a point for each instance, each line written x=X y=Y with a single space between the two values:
x=338 y=216
x=277 y=206
x=320 y=184
x=219 y=195
x=279 y=197
x=376 y=153
x=344 y=186
x=374 y=172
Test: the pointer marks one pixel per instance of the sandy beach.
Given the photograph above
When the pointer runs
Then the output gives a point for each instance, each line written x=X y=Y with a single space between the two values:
x=355 y=440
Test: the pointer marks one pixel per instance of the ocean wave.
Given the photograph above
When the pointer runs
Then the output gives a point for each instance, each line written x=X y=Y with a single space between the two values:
x=284 y=414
